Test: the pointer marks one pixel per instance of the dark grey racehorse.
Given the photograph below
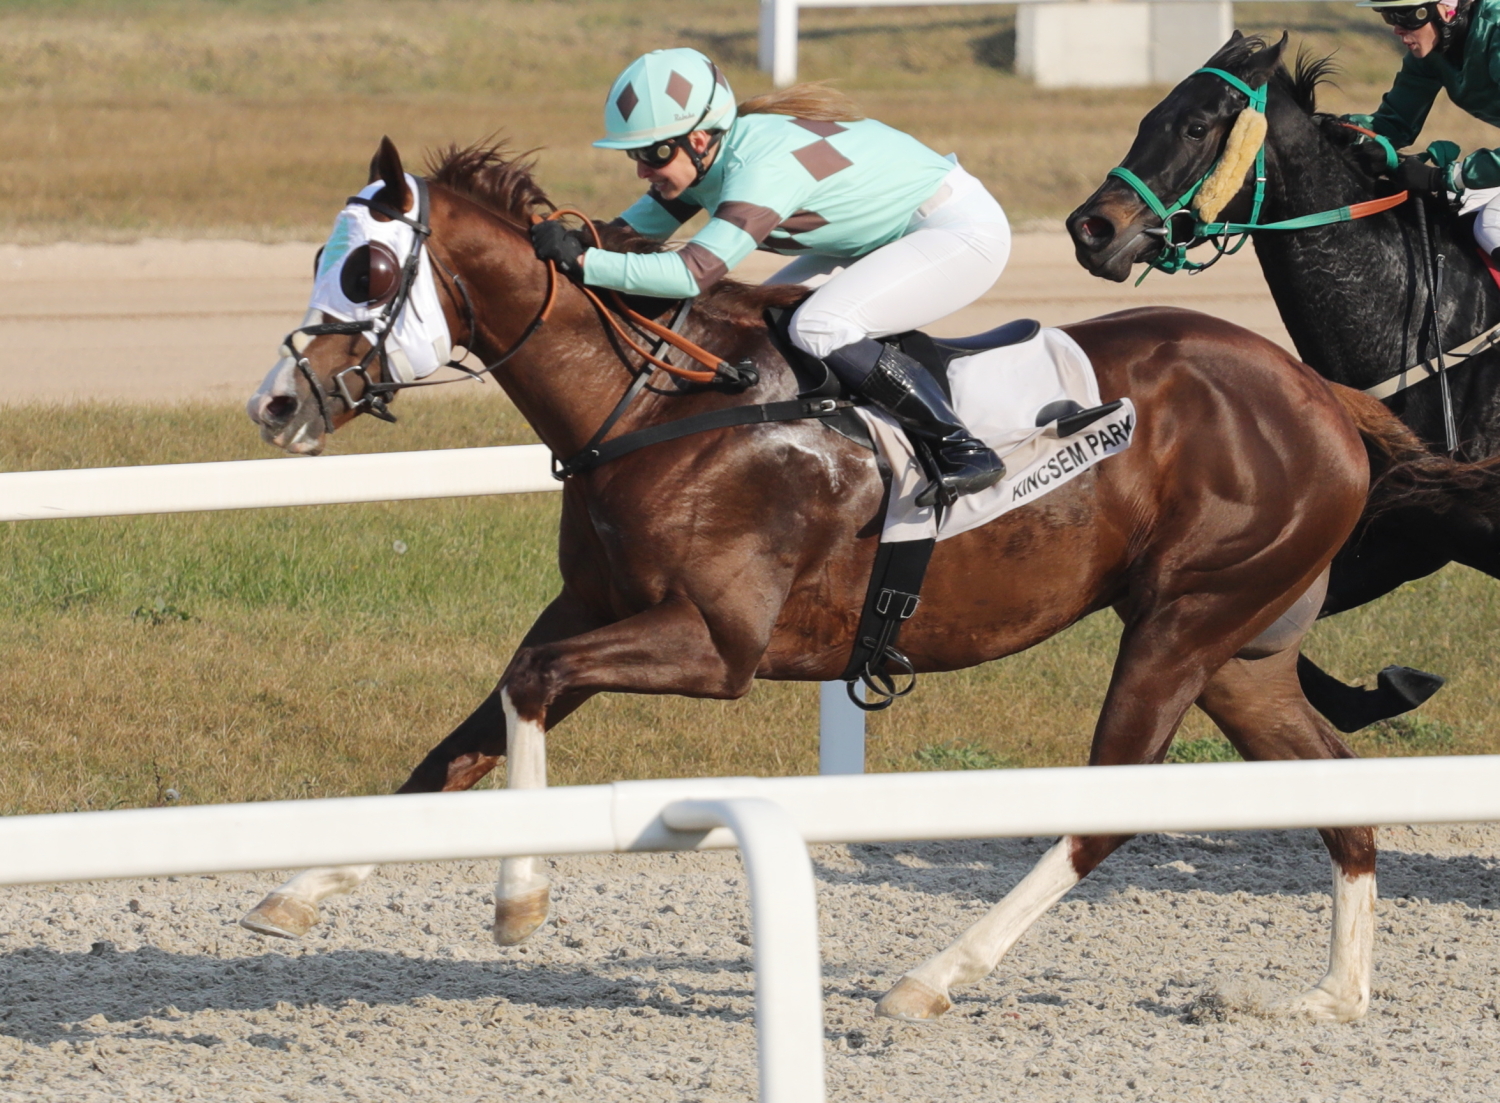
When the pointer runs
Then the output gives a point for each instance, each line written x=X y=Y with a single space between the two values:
x=1355 y=298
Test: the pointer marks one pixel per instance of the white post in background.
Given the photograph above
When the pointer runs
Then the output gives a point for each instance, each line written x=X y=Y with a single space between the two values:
x=1185 y=34
x=1085 y=45
x=1059 y=43
x=778 y=40
x=841 y=730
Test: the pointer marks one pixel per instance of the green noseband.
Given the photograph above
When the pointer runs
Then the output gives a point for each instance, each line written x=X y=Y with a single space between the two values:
x=1173 y=256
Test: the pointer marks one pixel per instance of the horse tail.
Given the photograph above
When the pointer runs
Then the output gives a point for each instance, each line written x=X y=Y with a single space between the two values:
x=1406 y=474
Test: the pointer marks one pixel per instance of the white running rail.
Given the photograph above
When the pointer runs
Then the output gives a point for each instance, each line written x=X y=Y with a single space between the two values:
x=770 y=820
x=336 y=480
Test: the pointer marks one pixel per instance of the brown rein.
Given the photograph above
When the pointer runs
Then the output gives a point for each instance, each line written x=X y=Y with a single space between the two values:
x=713 y=363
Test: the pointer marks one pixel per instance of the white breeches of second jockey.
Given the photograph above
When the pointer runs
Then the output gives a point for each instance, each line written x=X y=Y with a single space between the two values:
x=1487 y=225
x=953 y=252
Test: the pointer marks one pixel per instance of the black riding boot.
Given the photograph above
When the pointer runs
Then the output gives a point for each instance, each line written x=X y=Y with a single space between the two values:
x=904 y=389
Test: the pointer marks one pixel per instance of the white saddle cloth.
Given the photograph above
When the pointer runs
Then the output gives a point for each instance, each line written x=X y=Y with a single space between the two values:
x=998 y=395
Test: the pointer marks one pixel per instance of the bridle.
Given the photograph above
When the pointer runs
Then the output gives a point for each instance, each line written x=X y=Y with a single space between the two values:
x=1173 y=256
x=373 y=398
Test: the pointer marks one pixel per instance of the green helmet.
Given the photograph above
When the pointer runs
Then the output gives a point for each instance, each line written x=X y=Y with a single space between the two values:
x=666 y=94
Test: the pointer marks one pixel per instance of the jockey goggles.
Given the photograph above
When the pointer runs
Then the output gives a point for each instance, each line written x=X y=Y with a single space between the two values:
x=1410 y=18
x=657 y=156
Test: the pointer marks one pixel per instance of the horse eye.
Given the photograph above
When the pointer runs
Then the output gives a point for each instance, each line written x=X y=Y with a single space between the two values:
x=371 y=275
x=1196 y=131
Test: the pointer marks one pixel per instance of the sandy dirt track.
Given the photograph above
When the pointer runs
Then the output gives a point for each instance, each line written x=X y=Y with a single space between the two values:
x=163 y=321
x=1156 y=979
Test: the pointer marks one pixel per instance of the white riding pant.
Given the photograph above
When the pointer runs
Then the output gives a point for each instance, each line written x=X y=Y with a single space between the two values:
x=953 y=251
x=1487 y=225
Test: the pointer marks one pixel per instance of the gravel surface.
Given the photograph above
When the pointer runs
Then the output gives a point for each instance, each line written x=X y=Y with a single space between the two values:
x=1155 y=979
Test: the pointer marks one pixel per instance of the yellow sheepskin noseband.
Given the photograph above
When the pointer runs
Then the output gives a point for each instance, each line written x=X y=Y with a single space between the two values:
x=1245 y=140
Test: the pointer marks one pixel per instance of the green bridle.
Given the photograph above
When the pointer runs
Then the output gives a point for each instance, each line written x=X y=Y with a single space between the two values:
x=1173 y=256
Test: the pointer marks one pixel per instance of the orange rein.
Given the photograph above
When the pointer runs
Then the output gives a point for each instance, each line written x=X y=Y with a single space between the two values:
x=1372 y=206
x=702 y=355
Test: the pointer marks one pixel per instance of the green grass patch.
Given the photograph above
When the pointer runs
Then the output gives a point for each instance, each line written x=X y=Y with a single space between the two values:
x=959 y=756
x=1413 y=734
x=270 y=654
x=1208 y=748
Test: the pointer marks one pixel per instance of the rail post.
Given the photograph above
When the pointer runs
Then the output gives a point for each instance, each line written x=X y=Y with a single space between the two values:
x=784 y=934
x=841 y=730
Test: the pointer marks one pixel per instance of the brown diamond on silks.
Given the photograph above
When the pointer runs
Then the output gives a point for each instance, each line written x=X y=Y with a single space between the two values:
x=625 y=102
x=802 y=222
x=679 y=88
x=821 y=160
x=823 y=128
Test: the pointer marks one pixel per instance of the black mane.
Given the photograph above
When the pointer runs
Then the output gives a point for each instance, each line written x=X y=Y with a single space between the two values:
x=1301 y=82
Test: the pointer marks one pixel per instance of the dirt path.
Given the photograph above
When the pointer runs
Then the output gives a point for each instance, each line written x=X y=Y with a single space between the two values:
x=1152 y=981
x=163 y=321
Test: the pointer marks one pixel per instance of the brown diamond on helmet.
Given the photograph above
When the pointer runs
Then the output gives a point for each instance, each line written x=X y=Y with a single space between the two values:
x=625 y=102
x=679 y=88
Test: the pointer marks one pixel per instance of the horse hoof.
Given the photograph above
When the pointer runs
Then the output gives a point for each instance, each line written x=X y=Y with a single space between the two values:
x=281 y=917
x=517 y=916
x=911 y=1001
x=1325 y=1007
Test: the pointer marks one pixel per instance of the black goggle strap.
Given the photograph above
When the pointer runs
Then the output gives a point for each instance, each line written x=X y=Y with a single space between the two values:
x=1409 y=18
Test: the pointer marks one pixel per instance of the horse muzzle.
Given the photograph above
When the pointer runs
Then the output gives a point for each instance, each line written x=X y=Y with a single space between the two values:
x=288 y=420
x=1109 y=238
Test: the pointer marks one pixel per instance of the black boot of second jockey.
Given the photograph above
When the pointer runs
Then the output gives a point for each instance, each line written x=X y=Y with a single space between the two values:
x=903 y=388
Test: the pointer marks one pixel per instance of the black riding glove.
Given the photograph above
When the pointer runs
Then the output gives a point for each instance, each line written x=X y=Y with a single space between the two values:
x=1418 y=177
x=1371 y=158
x=555 y=242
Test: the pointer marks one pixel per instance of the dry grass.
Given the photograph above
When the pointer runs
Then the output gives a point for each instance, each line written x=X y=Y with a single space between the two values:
x=317 y=661
x=211 y=118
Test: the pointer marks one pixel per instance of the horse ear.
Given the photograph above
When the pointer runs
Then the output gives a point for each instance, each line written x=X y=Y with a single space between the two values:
x=386 y=166
x=1265 y=62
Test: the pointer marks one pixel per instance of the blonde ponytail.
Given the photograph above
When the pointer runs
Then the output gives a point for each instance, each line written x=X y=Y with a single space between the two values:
x=814 y=100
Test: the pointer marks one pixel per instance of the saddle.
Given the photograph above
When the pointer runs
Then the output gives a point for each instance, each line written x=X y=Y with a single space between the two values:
x=895 y=584
x=934 y=353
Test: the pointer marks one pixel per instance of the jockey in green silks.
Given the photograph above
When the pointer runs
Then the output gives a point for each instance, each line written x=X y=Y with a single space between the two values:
x=892 y=235
x=1452 y=46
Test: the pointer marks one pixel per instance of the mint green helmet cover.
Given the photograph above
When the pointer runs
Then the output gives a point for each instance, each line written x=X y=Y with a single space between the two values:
x=666 y=94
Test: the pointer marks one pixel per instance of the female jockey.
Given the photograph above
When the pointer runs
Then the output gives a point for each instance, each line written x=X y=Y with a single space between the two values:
x=896 y=235
x=1454 y=46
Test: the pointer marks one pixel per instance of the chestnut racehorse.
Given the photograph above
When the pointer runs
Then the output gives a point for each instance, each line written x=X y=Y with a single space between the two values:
x=698 y=565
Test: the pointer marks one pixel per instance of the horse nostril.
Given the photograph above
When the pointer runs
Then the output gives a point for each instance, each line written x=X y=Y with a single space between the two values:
x=280 y=409
x=1095 y=231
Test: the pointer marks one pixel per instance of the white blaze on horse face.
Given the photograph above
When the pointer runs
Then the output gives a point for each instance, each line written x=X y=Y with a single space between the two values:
x=280 y=382
x=1344 y=992
x=979 y=949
